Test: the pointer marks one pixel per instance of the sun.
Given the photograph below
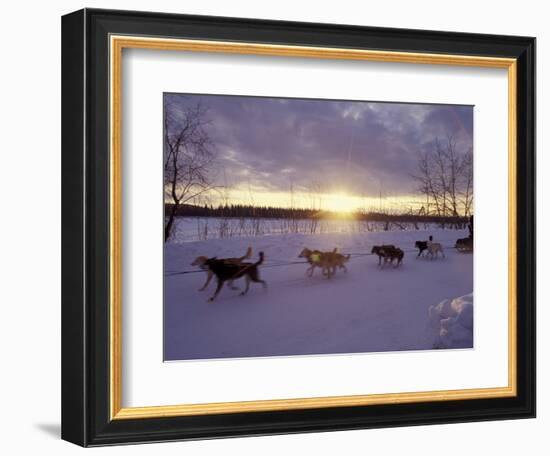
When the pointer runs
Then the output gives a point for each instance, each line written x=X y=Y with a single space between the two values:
x=342 y=203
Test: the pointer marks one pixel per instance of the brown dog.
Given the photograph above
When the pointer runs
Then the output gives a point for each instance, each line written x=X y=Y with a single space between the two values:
x=327 y=261
x=316 y=259
x=338 y=260
x=200 y=261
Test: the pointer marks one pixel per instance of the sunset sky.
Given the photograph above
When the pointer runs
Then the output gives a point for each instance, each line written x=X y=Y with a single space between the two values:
x=335 y=155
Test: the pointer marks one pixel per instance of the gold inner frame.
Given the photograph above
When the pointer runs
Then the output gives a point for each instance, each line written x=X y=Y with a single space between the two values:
x=117 y=44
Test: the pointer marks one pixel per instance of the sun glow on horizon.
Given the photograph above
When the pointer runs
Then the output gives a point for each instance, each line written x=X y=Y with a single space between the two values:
x=338 y=202
x=342 y=203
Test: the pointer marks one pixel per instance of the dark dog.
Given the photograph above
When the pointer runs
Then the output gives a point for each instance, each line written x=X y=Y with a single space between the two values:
x=465 y=244
x=421 y=246
x=200 y=261
x=225 y=272
x=392 y=253
x=379 y=250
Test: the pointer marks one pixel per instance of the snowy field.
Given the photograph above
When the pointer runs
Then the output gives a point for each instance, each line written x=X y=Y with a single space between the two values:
x=189 y=229
x=366 y=310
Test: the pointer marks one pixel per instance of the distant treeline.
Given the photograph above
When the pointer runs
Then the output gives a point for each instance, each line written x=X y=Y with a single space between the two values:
x=268 y=212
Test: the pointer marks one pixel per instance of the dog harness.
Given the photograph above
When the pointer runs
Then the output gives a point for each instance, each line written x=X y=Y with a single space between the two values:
x=315 y=257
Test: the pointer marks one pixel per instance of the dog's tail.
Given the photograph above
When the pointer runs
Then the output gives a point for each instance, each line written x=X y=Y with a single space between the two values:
x=248 y=254
x=261 y=260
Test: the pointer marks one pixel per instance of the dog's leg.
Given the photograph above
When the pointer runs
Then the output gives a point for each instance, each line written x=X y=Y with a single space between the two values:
x=218 y=288
x=256 y=278
x=442 y=253
x=247 y=280
x=209 y=276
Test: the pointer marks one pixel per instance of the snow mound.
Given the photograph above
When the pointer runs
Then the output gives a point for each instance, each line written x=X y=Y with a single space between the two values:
x=454 y=322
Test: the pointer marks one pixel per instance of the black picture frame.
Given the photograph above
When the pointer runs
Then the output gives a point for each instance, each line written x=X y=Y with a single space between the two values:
x=85 y=225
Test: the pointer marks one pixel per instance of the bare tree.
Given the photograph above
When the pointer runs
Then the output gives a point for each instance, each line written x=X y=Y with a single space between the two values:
x=454 y=173
x=445 y=179
x=293 y=220
x=188 y=158
x=428 y=187
x=315 y=191
x=468 y=182
x=440 y=169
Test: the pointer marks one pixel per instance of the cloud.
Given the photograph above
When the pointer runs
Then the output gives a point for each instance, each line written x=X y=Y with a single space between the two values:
x=357 y=147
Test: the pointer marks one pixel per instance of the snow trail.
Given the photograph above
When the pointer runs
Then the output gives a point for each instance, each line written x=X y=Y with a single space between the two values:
x=366 y=310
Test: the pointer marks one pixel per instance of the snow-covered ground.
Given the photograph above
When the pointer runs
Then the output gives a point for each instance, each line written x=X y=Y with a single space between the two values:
x=189 y=229
x=366 y=310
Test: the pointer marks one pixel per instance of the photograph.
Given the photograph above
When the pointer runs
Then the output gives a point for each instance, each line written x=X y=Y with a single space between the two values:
x=297 y=226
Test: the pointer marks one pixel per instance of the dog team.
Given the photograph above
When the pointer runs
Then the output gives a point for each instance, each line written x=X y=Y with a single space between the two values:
x=230 y=269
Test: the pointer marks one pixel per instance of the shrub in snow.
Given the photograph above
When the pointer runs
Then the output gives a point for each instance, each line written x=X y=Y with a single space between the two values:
x=453 y=321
